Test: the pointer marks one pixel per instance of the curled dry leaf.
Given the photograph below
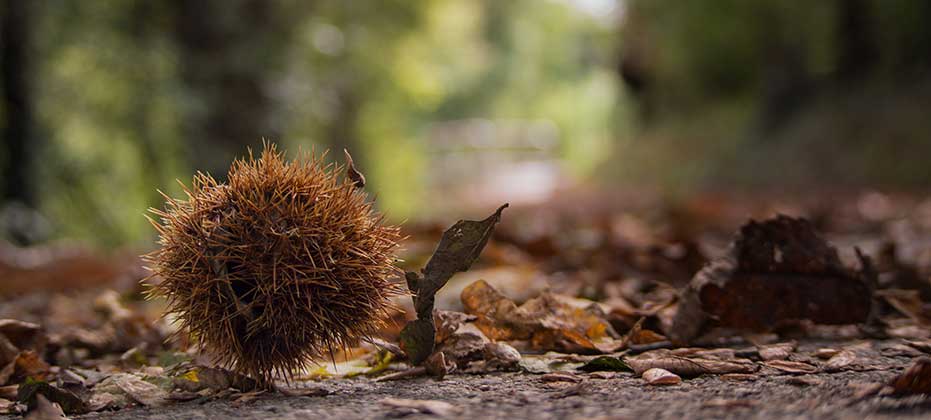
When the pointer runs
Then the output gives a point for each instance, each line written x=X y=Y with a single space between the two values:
x=21 y=335
x=45 y=410
x=639 y=335
x=354 y=175
x=202 y=377
x=447 y=322
x=501 y=356
x=459 y=247
x=825 y=353
x=790 y=366
x=6 y=406
x=690 y=367
x=135 y=388
x=776 y=271
x=780 y=351
x=657 y=376
x=466 y=344
x=437 y=365
x=67 y=400
x=915 y=380
x=561 y=377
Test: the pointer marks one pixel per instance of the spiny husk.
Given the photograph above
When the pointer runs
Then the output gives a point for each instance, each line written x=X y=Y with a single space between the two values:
x=278 y=267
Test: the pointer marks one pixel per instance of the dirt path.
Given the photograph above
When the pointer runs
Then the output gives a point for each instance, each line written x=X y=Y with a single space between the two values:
x=522 y=395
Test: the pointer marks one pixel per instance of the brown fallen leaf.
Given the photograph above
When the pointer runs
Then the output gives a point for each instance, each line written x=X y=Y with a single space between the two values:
x=6 y=372
x=915 y=380
x=202 y=377
x=561 y=377
x=22 y=335
x=789 y=366
x=9 y=392
x=70 y=402
x=922 y=345
x=447 y=322
x=45 y=410
x=639 y=335
x=464 y=345
x=135 y=388
x=657 y=376
x=825 y=353
x=437 y=365
x=857 y=357
x=779 y=351
x=501 y=356
x=29 y=365
x=776 y=271
x=6 y=406
x=439 y=408
x=690 y=367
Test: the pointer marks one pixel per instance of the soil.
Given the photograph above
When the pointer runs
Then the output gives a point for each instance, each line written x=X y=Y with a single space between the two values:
x=517 y=395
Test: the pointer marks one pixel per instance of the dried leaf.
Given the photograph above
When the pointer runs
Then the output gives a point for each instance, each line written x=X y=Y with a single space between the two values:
x=45 y=410
x=202 y=377
x=135 y=388
x=791 y=367
x=657 y=376
x=776 y=271
x=354 y=175
x=6 y=406
x=690 y=367
x=447 y=322
x=437 y=366
x=639 y=335
x=69 y=401
x=915 y=380
x=780 y=351
x=459 y=247
x=501 y=356
x=23 y=335
x=467 y=343
x=439 y=408
x=561 y=377
x=825 y=353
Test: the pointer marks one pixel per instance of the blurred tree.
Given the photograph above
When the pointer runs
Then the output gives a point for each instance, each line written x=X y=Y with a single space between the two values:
x=230 y=51
x=16 y=20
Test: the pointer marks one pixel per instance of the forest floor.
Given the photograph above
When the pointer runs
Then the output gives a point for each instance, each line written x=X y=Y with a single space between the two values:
x=618 y=395
x=582 y=308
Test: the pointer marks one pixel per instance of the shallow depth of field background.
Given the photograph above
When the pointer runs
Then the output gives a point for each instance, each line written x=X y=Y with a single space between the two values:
x=452 y=106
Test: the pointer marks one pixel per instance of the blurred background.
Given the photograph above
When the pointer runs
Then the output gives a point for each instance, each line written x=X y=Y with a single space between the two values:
x=454 y=105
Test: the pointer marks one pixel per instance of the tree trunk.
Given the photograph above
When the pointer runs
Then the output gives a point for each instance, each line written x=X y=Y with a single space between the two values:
x=229 y=49
x=18 y=130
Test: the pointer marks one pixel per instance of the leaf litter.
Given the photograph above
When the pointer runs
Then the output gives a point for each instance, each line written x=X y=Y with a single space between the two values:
x=619 y=298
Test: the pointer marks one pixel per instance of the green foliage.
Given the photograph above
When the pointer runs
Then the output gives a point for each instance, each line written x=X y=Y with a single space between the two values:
x=115 y=109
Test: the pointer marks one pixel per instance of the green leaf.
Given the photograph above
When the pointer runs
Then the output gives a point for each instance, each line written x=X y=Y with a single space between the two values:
x=605 y=363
